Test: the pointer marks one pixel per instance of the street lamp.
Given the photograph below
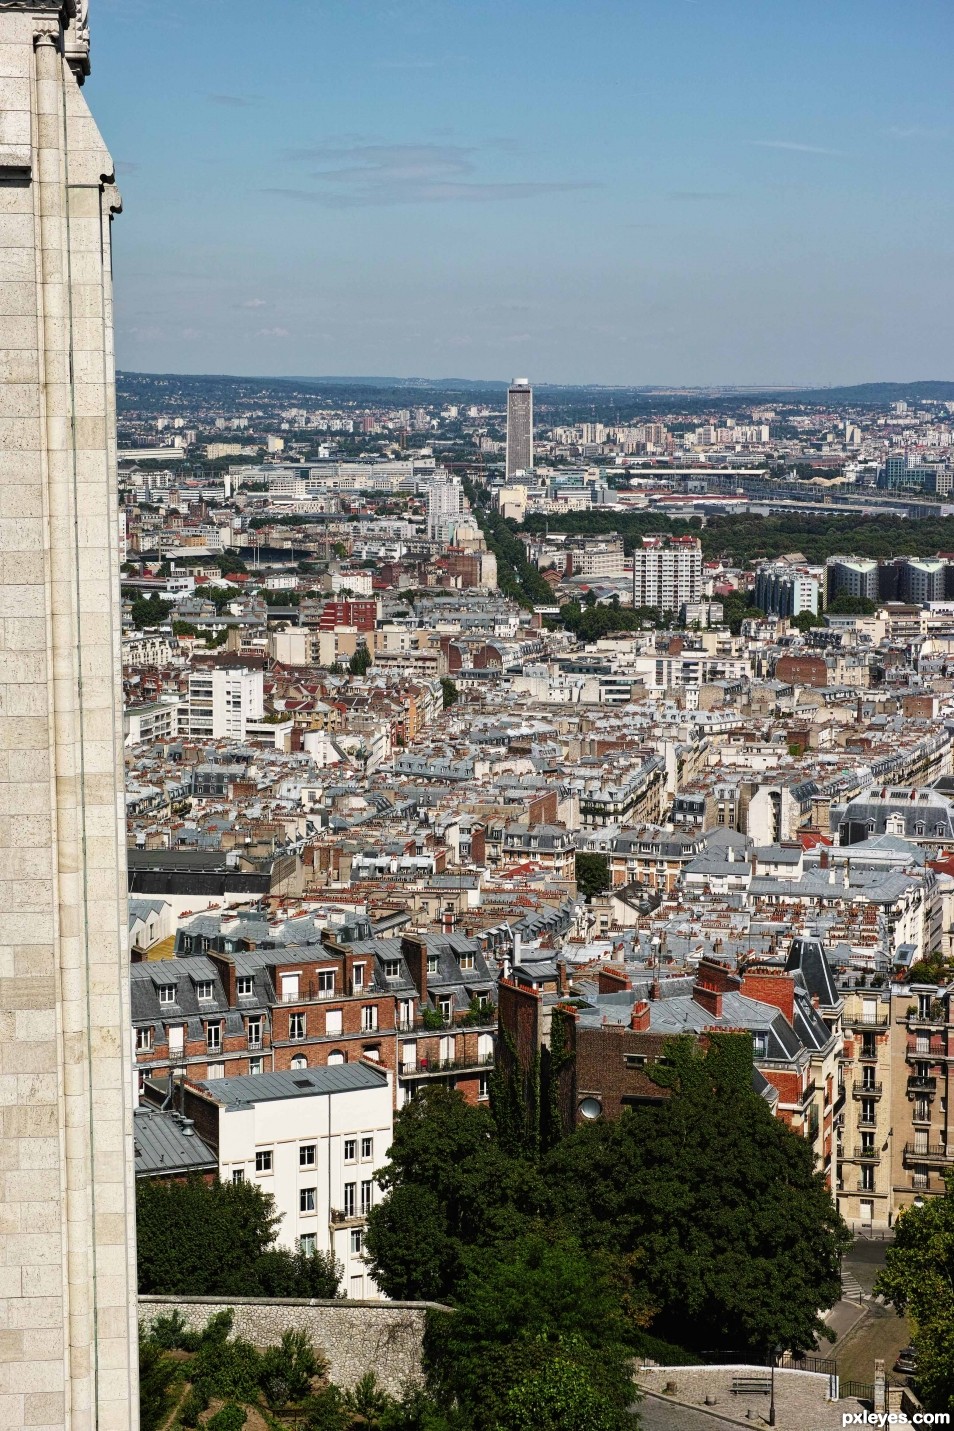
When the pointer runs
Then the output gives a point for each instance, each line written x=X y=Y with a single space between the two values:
x=776 y=1354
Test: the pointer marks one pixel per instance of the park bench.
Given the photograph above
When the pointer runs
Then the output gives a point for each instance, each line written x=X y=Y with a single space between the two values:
x=751 y=1385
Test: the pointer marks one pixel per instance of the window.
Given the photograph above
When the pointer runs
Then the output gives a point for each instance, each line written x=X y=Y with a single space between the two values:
x=245 y=986
x=366 y=1188
x=367 y=1147
x=759 y=1045
x=350 y=1149
x=446 y=1007
x=213 y=1037
x=296 y=1027
x=215 y=1070
x=350 y=1195
x=306 y=1199
x=307 y=1154
x=289 y=983
x=333 y=1021
x=253 y=1029
x=867 y=1179
x=176 y=1038
x=483 y=1087
x=406 y=1014
x=205 y=990
x=357 y=1241
x=299 y=1061
x=335 y=1057
x=308 y=1243
x=143 y=1040
x=167 y=993
x=263 y=1161
x=467 y=961
x=369 y=1018
x=392 y=968
x=357 y=977
x=433 y=964
x=238 y=1175
x=255 y=1065
x=326 y=983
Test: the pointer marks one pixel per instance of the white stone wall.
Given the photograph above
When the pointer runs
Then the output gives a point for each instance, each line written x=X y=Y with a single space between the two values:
x=67 y=1313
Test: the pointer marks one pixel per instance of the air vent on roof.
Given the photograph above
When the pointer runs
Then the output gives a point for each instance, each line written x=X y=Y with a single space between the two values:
x=303 y=1083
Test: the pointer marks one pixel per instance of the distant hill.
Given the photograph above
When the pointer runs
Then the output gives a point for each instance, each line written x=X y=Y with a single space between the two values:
x=147 y=391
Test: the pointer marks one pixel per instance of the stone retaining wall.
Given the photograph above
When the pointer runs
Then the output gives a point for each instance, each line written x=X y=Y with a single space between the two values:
x=356 y=1337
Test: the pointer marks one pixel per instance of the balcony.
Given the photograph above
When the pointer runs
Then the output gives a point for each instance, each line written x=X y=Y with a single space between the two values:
x=867 y=1122
x=937 y=1048
x=435 y=1068
x=919 y=1084
x=936 y=1153
x=868 y=1055
x=866 y=1090
x=858 y=1021
x=866 y=1155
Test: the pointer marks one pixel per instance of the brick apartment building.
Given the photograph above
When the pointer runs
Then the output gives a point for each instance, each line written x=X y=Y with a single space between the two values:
x=245 y=995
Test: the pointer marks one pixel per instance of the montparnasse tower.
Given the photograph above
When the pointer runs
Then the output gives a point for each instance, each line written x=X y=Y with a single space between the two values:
x=67 y=1235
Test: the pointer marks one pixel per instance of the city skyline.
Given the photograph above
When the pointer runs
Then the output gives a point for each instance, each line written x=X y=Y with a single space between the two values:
x=731 y=202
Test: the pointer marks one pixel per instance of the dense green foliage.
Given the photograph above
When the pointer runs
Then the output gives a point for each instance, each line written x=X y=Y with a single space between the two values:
x=158 y=1375
x=592 y=874
x=918 y=1278
x=148 y=610
x=705 y=1208
x=845 y=605
x=517 y=577
x=745 y=537
x=360 y=662
x=592 y=623
x=449 y=693
x=205 y=1240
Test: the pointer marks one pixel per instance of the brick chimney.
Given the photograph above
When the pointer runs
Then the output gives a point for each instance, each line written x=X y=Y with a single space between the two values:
x=771 y=986
x=563 y=978
x=639 y=1018
x=708 y=998
x=414 y=953
x=612 y=981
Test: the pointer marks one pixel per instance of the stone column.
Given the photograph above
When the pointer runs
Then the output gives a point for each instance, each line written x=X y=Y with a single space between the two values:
x=67 y=1288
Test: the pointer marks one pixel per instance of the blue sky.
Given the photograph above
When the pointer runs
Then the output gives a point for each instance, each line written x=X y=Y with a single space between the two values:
x=621 y=191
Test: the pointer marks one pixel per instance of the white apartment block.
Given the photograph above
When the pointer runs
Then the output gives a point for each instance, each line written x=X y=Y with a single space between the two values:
x=312 y=1138
x=445 y=504
x=667 y=572
x=223 y=701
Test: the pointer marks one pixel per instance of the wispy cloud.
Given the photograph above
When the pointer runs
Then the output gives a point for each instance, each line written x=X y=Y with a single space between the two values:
x=273 y=333
x=794 y=147
x=252 y=303
x=233 y=101
x=359 y=175
x=916 y=131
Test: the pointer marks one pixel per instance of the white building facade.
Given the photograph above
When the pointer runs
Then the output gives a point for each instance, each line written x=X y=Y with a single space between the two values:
x=222 y=702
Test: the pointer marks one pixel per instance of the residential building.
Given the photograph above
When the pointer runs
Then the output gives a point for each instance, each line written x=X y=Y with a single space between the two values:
x=667 y=572
x=223 y=701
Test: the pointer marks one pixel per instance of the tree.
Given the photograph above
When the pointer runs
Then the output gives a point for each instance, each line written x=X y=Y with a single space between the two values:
x=592 y=874
x=360 y=661
x=806 y=620
x=918 y=1277
x=149 y=610
x=204 y=1240
x=730 y=1238
x=449 y=692
x=845 y=605
x=449 y=1188
x=540 y=1317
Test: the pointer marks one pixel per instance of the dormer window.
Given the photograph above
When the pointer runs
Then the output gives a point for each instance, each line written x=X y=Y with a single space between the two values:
x=433 y=964
x=205 y=990
x=245 y=986
x=759 y=1045
x=392 y=968
x=167 y=993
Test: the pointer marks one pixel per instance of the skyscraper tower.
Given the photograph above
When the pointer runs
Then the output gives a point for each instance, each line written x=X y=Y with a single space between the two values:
x=67 y=1281
x=519 y=426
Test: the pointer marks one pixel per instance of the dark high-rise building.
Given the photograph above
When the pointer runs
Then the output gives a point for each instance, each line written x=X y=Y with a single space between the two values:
x=519 y=426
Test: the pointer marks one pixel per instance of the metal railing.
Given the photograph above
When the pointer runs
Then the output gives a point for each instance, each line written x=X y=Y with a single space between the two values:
x=930 y=1153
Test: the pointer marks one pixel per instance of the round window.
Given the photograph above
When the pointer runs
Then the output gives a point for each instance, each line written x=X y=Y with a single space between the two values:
x=591 y=1108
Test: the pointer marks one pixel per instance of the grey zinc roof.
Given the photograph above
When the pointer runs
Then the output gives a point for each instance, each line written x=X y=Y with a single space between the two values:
x=162 y=1146
x=247 y=1089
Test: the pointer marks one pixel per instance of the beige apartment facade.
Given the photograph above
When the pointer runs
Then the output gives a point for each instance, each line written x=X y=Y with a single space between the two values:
x=67 y=1289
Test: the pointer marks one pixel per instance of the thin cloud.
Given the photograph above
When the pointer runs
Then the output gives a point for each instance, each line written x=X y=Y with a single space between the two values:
x=233 y=101
x=916 y=131
x=364 y=175
x=253 y=303
x=794 y=147
x=273 y=333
